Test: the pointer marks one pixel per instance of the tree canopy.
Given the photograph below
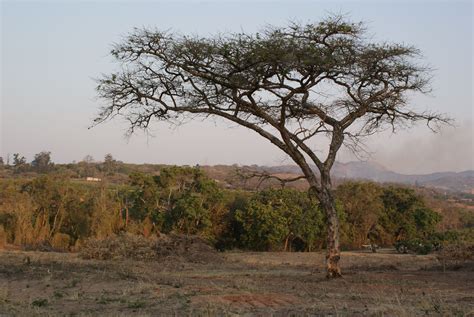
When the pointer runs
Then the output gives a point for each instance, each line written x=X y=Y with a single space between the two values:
x=288 y=84
x=302 y=80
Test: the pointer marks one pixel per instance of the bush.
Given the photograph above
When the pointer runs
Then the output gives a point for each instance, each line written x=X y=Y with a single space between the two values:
x=283 y=219
x=435 y=242
x=456 y=254
x=418 y=246
x=264 y=226
x=60 y=242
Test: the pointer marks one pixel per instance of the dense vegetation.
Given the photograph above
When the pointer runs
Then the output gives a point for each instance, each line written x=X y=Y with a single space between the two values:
x=54 y=210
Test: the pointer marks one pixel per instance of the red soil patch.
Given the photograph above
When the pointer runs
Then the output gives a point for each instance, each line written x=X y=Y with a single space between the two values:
x=270 y=300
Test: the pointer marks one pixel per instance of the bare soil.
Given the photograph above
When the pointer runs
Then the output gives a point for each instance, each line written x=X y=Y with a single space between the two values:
x=237 y=283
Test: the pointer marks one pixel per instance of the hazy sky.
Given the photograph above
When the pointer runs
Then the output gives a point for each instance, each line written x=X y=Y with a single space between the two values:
x=51 y=51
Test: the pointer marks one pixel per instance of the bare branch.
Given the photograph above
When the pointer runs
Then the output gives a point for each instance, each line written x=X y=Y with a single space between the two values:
x=263 y=176
x=271 y=82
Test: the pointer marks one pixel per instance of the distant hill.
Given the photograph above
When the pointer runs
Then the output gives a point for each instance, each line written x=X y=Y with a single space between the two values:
x=118 y=173
x=461 y=181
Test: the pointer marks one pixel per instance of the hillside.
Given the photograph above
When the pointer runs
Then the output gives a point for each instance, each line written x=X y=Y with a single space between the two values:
x=452 y=181
x=118 y=172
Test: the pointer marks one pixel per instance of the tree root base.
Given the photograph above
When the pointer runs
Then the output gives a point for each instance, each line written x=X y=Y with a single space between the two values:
x=332 y=274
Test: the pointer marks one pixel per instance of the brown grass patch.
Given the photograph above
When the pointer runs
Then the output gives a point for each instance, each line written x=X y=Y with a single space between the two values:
x=456 y=256
x=172 y=247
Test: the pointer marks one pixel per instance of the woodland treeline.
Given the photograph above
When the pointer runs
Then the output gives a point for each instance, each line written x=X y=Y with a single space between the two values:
x=54 y=210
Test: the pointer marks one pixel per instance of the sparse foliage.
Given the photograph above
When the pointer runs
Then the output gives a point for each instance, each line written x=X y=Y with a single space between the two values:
x=289 y=85
x=19 y=163
x=110 y=164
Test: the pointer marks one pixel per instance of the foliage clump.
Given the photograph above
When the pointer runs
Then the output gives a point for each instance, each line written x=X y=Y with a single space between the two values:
x=54 y=212
x=281 y=219
x=386 y=216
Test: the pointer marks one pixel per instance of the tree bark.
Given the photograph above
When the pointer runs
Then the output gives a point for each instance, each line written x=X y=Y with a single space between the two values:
x=286 y=243
x=333 y=255
x=328 y=207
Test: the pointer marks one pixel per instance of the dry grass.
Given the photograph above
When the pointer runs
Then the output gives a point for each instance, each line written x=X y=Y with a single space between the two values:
x=164 y=248
x=454 y=256
x=250 y=284
x=125 y=246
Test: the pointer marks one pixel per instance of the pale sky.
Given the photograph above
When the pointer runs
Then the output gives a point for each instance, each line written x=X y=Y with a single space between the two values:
x=51 y=51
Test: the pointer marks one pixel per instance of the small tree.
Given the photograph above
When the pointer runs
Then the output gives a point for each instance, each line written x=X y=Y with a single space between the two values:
x=276 y=219
x=363 y=206
x=289 y=85
x=264 y=226
x=18 y=160
x=87 y=167
x=110 y=164
x=406 y=216
x=19 y=163
x=88 y=159
x=42 y=162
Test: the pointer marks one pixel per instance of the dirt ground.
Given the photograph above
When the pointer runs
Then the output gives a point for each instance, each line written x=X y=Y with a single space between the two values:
x=243 y=284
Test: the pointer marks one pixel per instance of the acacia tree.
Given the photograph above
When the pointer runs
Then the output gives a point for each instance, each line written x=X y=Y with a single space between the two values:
x=289 y=85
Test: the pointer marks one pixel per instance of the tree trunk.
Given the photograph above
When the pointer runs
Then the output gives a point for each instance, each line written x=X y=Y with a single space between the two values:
x=126 y=216
x=286 y=242
x=333 y=255
x=328 y=207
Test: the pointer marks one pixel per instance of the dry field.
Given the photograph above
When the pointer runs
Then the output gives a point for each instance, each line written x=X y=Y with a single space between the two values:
x=248 y=284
